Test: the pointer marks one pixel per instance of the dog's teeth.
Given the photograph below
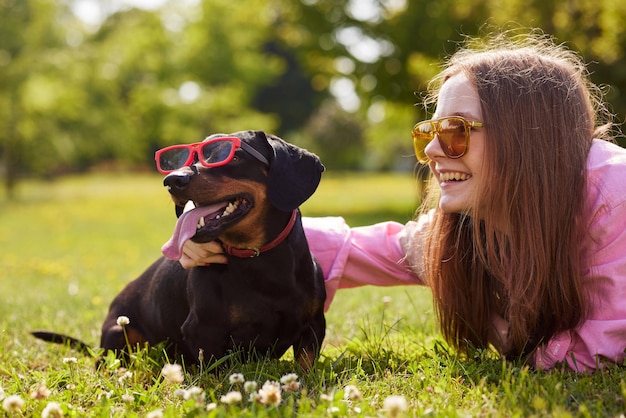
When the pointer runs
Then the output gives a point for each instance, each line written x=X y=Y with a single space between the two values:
x=188 y=206
x=230 y=208
x=201 y=222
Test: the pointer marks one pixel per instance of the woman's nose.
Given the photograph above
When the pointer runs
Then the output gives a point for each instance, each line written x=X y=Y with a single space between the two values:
x=433 y=149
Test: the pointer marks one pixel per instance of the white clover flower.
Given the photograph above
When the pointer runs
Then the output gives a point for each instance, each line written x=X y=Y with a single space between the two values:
x=124 y=376
x=13 y=403
x=52 y=410
x=157 y=413
x=290 y=382
x=236 y=378
x=292 y=387
x=128 y=397
x=173 y=373
x=70 y=360
x=270 y=393
x=181 y=393
x=195 y=394
x=386 y=300
x=250 y=386
x=351 y=392
x=325 y=397
x=211 y=406
x=289 y=378
x=42 y=392
x=123 y=320
x=106 y=394
x=394 y=405
x=231 y=397
x=2 y=394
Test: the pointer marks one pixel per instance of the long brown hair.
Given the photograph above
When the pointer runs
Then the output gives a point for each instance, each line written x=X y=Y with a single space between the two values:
x=517 y=255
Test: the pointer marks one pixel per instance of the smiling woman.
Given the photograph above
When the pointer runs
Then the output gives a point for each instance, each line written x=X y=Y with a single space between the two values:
x=513 y=179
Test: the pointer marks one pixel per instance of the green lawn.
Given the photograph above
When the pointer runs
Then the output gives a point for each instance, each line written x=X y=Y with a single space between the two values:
x=68 y=246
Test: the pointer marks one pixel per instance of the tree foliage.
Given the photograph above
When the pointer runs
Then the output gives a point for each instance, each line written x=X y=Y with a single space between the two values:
x=73 y=95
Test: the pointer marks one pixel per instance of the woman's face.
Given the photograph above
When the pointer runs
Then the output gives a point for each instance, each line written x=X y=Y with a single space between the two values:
x=458 y=178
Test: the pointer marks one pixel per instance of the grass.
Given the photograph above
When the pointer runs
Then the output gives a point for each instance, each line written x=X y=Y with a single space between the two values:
x=67 y=247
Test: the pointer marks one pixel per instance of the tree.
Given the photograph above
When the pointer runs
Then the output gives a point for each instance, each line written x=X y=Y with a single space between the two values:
x=156 y=83
x=336 y=137
x=72 y=96
x=33 y=52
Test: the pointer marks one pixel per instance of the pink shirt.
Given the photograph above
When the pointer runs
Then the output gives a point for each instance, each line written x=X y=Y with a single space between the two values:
x=374 y=255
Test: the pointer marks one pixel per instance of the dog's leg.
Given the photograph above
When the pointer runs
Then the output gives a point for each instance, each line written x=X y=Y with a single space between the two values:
x=308 y=349
x=118 y=338
x=202 y=338
x=305 y=358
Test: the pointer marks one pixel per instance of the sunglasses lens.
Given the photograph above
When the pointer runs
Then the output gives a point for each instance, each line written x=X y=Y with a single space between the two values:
x=173 y=158
x=217 y=152
x=452 y=136
x=423 y=133
x=452 y=133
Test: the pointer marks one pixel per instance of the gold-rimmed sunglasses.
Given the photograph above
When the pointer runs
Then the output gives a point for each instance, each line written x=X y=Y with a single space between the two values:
x=453 y=133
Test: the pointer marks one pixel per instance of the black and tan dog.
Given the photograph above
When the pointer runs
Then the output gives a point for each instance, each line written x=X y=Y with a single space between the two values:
x=268 y=297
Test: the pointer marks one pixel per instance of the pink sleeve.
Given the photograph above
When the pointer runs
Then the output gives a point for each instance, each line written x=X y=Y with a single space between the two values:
x=352 y=257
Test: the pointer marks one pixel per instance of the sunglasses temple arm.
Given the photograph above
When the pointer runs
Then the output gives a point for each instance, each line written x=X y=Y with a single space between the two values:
x=256 y=154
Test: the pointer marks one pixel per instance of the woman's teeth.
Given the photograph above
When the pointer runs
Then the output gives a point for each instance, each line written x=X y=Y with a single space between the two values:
x=448 y=176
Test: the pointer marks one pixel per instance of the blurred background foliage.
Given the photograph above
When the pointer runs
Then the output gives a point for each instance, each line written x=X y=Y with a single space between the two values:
x=105 y=83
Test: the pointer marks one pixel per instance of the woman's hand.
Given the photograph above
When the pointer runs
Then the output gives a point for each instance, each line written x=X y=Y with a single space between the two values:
x=195 y=254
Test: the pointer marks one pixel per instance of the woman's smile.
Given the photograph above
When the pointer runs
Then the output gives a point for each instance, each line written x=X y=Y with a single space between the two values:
x=453 y=176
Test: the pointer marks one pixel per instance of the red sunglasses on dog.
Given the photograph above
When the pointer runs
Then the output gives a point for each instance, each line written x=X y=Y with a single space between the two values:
x=210 y=153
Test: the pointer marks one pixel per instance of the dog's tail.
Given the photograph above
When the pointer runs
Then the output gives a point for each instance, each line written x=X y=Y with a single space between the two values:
x=76 y=344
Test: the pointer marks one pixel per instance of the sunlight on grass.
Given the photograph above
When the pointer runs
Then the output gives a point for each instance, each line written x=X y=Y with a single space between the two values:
x=68 y=247
x=365 y=198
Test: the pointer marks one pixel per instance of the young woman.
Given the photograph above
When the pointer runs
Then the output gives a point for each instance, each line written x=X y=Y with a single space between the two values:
x=525 y=248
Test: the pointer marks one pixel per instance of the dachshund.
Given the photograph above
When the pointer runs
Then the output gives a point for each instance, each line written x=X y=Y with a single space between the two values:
x=244 y=189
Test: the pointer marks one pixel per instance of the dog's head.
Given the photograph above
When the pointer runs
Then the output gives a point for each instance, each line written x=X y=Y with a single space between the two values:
x=233 y=201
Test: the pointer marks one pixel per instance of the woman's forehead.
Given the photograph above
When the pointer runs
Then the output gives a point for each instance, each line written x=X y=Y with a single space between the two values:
x=458 y=97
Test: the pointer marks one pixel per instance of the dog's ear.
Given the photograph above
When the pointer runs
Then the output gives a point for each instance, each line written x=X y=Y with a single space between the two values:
x=294 y=174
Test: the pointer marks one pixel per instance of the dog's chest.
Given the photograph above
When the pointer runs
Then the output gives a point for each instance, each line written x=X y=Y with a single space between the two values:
x=245 y=296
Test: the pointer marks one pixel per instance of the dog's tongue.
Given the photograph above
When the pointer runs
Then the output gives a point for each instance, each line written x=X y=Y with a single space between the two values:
x=186 y=228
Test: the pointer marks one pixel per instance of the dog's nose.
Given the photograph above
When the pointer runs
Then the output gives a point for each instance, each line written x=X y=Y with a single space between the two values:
x=176 y=181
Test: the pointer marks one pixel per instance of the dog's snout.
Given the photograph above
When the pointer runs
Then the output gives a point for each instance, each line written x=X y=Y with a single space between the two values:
x=176 y=181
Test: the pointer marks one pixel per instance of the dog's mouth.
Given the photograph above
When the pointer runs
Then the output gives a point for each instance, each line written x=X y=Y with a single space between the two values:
x=222 y=215
x=204 y=222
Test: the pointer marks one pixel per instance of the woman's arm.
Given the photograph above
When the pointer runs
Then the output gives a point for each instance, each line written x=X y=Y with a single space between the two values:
x=368 y=255
x=349 y=257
